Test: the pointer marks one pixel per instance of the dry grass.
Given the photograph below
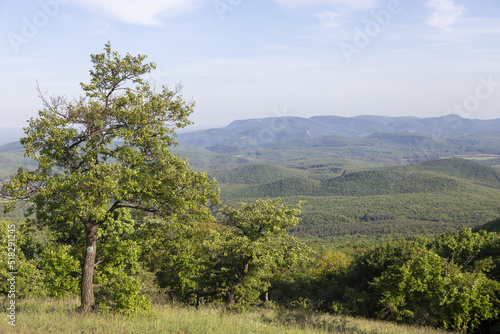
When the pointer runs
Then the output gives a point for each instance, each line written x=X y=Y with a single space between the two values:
x=60 y=316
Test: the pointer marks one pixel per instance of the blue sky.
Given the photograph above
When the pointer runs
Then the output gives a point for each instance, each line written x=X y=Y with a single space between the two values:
x=262 y=58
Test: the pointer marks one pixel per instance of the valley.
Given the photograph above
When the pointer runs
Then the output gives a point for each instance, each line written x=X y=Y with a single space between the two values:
x=354 y=182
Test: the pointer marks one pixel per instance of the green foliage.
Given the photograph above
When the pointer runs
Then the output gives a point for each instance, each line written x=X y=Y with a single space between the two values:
x=118 y=264
x=461 y=168
x=61 y=268
x=122 y=294
x=254 y=174
x=104 y=152
x=464 y=247
x=231 y=261
x=27 y=278
x=428 y=291
x=330 y=263
x=242 y=259
x=449 y=281
x=176 y=256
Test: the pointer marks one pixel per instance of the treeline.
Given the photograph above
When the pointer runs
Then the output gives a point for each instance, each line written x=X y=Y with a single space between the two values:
x=374 y=230
x=451 y=282
x=143 y=258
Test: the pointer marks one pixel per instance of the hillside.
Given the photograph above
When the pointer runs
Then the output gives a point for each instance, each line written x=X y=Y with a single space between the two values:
x=461 y=168
x=254 y=174
x=428 y=197
x=264 y=131
x=11 y=158
x=377 y=182
x=428 y=176
x=377 y=149
x=491 y=226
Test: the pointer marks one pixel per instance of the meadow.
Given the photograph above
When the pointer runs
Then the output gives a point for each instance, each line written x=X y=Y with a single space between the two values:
x=61 y=316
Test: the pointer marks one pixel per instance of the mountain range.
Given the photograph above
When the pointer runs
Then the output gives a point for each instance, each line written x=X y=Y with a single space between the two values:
x=264 y=131
x=359 y=176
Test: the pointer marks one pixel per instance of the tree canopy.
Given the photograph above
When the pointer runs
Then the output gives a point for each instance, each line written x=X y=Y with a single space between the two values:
x=108 y=150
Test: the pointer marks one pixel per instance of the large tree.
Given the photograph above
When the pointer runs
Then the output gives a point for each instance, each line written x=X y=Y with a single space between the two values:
x=107 y=150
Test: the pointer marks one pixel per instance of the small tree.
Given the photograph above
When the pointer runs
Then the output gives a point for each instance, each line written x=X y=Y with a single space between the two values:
x=242 y=259
x=427 y=290
x=109 y=150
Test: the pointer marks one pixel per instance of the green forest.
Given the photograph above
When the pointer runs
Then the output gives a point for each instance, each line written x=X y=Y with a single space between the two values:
x=101 y=204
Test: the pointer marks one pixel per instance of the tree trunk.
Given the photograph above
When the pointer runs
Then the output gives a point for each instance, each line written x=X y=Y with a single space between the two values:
x=231 y=294
x=87 y=286
x=230 y=297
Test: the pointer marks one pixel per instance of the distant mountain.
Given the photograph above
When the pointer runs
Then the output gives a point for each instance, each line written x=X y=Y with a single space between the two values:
x=11 y=158
x=264 y=131
x=8 y=135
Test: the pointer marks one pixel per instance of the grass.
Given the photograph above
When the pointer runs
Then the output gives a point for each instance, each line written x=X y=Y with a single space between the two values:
x=60 y=316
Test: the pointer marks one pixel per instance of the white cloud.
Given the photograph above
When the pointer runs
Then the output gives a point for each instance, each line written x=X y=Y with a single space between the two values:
x=146 y=12
x=445 y=13
x=329 y=19
x=143 y=12
x=361 y=4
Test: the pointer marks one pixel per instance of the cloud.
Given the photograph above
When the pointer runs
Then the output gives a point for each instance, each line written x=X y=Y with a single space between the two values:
x=142 y=12
x=329 y=19
x=360 y=4
x=445 y=13
x=146 y=12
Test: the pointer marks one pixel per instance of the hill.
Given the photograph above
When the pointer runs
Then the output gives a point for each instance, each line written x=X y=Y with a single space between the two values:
x=460 y=168
x=11 y=158
x=429 y=197
x=366 y=183
x=491 y=226
x=254 y=174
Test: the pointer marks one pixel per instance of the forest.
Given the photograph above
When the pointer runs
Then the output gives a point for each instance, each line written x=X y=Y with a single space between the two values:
x=101 y=204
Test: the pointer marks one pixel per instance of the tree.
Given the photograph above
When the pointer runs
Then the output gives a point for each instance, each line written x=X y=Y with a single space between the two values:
x=109 y=150
x=241 y=259
x=28 y=282
x=428 y=290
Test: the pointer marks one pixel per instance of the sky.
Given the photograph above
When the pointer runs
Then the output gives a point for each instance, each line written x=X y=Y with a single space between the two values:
x=240 y=59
